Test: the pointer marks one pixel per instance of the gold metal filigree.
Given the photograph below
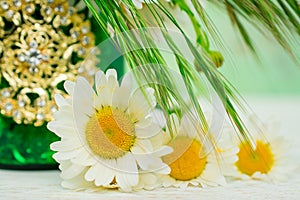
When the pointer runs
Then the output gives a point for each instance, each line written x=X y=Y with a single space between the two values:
x=43 y=43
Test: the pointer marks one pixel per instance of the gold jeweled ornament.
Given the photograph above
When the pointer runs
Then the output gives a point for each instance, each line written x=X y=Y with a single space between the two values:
x=43 y=43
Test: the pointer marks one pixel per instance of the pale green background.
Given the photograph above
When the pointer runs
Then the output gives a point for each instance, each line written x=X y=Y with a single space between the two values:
x=274 y=73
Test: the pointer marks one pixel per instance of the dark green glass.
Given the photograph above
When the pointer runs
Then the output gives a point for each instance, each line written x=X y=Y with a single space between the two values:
x=25 y=146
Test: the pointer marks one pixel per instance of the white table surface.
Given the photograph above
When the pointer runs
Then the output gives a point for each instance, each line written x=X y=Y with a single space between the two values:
x=284 y=110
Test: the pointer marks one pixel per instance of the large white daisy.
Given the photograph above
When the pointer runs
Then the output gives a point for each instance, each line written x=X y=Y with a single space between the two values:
x=191 y=162
x=105 y=133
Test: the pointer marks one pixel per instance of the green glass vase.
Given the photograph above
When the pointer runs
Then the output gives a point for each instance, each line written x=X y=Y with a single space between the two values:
x=25 y=146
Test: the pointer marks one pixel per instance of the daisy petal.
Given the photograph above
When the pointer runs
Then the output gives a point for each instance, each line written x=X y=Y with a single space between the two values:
x=111 y=72
x=60 y=100
x=127 y=81
x=65 y=155
x=128 y=174
x=164 y=150
x=159 y=117
x=147 y=132
x=100 y=81
x=83 y=98
x=84 y=158
x=60 y=129
x=107 y=173
x=120 y=98
x=72 y=171
x=66 y=145
x=139 y=105
x=112 y=82
x=90 y=174
x=69 y=87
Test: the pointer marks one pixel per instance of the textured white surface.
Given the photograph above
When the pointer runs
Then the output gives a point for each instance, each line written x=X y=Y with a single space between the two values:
x=284 y=111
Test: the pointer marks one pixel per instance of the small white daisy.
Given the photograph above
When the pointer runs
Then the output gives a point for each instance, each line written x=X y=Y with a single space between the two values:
x=268 y=161
x=105 y=134
x=190 y=163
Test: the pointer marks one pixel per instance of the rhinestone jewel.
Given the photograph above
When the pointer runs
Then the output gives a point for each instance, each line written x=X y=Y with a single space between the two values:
x=8 y=106
x=71 y=11
x=9 y=14
x=17 y=3
x=5 y=93
x=85 y=40
x=33 y=70
x=41 y=103
x=17 y=114
x=63 y=20
x=59 y=8
x=84 y=30
x=33 y=57
x=81 y=51
x=53 y=109
x=48 y=10
x=4 y=5
x=40 y=116
x=21 y=57
x=45 y=57
x=75 y=34
x=21 y=103
x=29 y=9
x=33 y=44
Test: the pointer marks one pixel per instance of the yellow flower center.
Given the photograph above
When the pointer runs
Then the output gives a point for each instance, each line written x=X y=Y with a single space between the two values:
x=110 y=133
x=184 y=161
x=259 y=160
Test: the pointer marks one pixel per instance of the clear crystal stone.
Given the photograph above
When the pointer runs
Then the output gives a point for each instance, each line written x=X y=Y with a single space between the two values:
x=71 y=11
x=75 y=34
x=41 y=103
x=45 y=57
x=4 y=5
x=33 y=44
x=21 y=103
x=63 y=20
x=8 y=106
x=17 y=114
x=53 y=109
x=5 y=93
x=34 y=61
x=10 y=14
x=29 y=9
x=40 y=116
x=33 y=70
x=34 y=57
x=85 y=30
x=81 y=51
x=59 y=8
x=22 y=57
x=17 y=3
x=85 y=40
x=48 y=10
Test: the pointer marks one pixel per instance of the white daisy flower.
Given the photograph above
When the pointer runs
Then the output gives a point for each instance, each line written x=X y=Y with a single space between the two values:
x=269 y=160
x=105 y=134
x=190 y=163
